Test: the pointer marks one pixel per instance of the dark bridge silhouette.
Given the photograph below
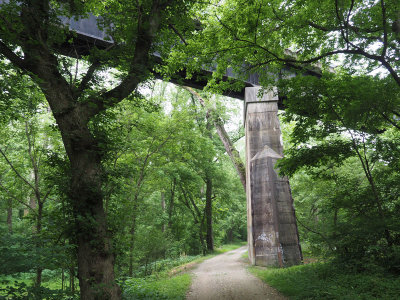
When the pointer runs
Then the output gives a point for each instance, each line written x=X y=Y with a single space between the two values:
x=88 y=35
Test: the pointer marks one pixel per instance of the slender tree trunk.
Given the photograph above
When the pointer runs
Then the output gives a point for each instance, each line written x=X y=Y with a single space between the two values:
x=171 y=203
x=197 y=216
x=134 y=216
x=9 y=215
x=132 y=245
x=62 y=278
x=377 y=199
x=201 y=237
x=163 y=209
x=229 y=235
x=72 y=280
x=38 y=281
x=208 y=215
x=39 y=244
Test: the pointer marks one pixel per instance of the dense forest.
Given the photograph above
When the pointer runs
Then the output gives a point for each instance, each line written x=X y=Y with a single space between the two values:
x=171 y=190
x=109 y=177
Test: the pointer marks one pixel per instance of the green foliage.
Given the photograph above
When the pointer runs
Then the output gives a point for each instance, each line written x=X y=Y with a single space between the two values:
x=264 y=38
x=142 y=145
x=19 y=253
x=330 y=281
x=157 y=288
x=341 y=176
x=231 y=246
x=161 y=284
x=21 y=291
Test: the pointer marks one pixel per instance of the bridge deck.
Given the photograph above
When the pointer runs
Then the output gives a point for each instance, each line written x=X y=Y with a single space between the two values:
x=88 y=35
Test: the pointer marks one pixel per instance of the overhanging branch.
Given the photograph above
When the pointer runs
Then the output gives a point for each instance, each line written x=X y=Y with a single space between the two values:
x=139 y=68
x=11 y=56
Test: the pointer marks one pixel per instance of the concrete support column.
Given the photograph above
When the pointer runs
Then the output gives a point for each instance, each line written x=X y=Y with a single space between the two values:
x=271 y=223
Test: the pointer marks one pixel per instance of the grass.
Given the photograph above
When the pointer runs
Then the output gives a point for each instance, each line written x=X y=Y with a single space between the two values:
x=172 y=283
x=155 y=287
x=327 y=281
x=229 y=247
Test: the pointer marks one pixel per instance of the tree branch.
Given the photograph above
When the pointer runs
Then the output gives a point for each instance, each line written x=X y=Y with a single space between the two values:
x=390 y=120
x=355 y=29
x=385 y=38
x=178 y=34
x=11 y=56
x=16 y=199
x=316 y=232
x=15 y=171
x=86 y=79
x=139 y=68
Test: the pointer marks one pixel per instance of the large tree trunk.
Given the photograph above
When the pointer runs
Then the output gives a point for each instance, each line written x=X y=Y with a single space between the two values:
x=208 y=214
x=94 y=251
x=95 y=256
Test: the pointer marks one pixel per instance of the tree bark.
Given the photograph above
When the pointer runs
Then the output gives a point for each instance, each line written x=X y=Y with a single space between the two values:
x=95 y=255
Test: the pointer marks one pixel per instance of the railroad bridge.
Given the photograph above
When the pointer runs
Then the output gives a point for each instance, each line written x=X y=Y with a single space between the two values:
x=271 y=222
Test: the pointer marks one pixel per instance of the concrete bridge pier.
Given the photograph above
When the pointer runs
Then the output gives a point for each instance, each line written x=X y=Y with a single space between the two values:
x=271 y=223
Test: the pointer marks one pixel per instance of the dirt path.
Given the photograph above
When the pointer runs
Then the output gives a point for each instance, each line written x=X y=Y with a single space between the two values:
x=225 y=277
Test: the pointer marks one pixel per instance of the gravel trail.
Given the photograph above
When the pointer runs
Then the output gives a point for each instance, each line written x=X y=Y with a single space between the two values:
x=225 y=277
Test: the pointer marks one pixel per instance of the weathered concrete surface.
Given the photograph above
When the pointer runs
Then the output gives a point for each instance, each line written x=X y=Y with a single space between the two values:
x=225 y=277
x=271 y=223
